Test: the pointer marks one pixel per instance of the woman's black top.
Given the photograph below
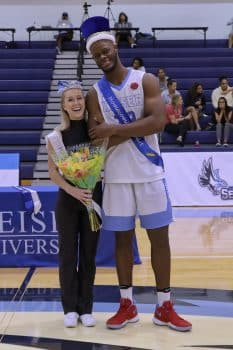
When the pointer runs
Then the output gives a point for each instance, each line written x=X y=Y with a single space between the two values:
x=77 y=133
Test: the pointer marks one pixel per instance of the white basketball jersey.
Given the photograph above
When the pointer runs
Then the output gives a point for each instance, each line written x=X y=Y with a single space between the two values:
x=124 y=163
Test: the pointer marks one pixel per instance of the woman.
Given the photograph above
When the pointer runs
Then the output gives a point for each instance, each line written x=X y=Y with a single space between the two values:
x=124 y=33
x=195 y=98
x=77 y=243
x=176 y=123
x=223 y=117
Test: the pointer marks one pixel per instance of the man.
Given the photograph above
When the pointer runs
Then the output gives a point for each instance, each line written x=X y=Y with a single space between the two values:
x=133 y=173
x=224 y=90
x=163 y=79
x=63 y=35
x=170 y=91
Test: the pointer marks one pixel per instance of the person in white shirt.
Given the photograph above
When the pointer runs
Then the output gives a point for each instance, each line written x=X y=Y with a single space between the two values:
x=224 y=90
x=170 y=91
x=63 y=35
x=126 y=106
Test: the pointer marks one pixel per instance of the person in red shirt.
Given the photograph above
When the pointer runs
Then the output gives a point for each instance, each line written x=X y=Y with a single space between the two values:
x=177 y=123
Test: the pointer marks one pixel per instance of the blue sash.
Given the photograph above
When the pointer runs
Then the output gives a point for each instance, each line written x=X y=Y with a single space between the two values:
x=123 y=117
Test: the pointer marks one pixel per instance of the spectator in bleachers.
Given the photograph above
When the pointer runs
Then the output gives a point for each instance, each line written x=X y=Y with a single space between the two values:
x=138 y=64
x=224 y=90
x=124 y=34
x=177 y=124
x=224 y=120
x=163 y=78
x=170 y=91
x=230 y=38
x=63 y=35
x=195 y=98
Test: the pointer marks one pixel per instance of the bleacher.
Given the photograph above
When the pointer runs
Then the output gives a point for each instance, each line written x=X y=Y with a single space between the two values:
x=187 y=65
x=25 y=79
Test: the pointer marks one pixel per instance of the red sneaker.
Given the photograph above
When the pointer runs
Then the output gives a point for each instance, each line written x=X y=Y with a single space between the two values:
x=165 y=315
x=127 y=313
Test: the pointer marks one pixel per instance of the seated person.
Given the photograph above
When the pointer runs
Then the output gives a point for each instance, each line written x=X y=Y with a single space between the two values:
x=163 y=79
x=230 y=38
x=123 y=35
x=177 y=124
x=195 y=98
x=138 y=64
x=224 y=90
x=170 y=91
x=63 y=35
x=224 y=120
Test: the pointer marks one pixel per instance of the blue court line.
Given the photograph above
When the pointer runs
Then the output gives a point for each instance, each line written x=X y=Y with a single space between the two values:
x=223 y=212
x=200 y=308
x=20 y=291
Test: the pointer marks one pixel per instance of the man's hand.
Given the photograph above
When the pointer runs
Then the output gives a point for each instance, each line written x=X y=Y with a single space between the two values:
x=102 y=130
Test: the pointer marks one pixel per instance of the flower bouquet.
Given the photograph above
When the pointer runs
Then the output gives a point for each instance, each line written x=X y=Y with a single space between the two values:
x=81 y=165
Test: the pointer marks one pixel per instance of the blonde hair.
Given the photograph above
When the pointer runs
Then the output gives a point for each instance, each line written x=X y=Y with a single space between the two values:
x=175 y=99
x=65 y=119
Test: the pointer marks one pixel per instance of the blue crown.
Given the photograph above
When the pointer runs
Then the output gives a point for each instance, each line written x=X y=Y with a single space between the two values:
x=94 y=25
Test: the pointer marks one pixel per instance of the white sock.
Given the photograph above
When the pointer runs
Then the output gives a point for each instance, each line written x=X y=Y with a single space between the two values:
x=127 y=293
x=162 y=297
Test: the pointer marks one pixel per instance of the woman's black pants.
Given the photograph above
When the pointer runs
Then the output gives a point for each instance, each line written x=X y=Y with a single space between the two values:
x=77 y=252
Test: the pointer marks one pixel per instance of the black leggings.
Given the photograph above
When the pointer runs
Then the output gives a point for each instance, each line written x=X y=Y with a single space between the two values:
x=179 y=129
x=77 y=247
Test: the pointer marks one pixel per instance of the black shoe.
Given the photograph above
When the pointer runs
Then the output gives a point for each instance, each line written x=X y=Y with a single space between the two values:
x=180 y=143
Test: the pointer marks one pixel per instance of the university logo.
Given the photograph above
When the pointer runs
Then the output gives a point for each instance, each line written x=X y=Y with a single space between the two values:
x=210 y=178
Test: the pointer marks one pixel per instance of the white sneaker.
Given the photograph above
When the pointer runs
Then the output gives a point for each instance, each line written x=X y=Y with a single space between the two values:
x=71 y=319
x=88 y=320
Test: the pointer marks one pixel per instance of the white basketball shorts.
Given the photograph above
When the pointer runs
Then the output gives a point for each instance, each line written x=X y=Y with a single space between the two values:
x=123 y=202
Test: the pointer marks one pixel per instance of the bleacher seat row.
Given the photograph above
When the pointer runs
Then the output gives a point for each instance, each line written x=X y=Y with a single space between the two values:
x=25 y=79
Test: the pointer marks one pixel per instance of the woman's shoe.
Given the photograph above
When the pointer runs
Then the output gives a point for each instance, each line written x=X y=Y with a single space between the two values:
x=87 y=320
x=225 y=144
x=218 y=144
x=71 y=319
x=180 y=141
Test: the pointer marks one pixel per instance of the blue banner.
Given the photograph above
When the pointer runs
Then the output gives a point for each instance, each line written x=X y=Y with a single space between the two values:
x=31 y=239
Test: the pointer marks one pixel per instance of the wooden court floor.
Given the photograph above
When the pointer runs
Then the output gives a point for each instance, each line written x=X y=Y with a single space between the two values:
x=202 y=275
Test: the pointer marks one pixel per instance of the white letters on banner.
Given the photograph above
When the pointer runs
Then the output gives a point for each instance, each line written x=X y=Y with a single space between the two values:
x=199 y=178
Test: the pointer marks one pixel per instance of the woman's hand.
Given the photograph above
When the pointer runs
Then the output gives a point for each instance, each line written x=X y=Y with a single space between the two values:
x=83 y=195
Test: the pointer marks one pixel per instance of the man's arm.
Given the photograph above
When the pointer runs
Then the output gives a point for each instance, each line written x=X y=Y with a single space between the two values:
x=95 y=117
x=154 y=115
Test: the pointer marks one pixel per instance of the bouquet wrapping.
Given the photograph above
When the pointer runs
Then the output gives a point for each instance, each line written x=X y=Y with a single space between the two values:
x=81 y=165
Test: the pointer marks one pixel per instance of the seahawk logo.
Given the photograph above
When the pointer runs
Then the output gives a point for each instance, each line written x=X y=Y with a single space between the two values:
x=211 y=179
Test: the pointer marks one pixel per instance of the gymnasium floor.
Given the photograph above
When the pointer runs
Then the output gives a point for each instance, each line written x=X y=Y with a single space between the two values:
x=202 y=280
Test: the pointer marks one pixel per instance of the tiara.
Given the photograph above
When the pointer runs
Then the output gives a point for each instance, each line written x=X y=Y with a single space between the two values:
x=64 y=85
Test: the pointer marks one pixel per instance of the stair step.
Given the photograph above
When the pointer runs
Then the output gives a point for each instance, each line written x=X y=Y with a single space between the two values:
x=42 y=157
x=41 y=175
x=64 y=71
x=52 y=119
x=41 y=166
x=52 y=106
